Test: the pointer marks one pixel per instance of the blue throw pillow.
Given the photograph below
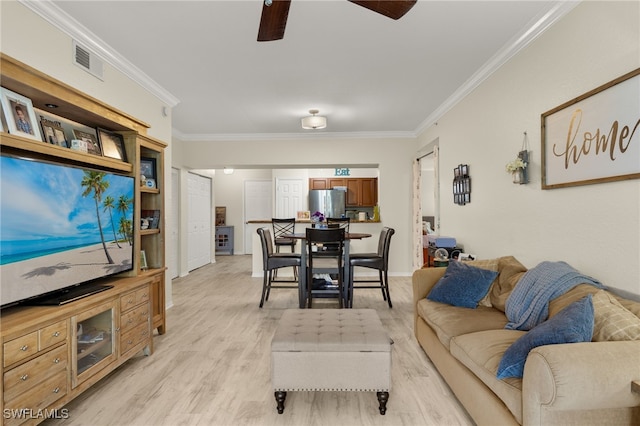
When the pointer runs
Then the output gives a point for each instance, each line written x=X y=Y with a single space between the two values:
x=462 y=285
x=573 y=324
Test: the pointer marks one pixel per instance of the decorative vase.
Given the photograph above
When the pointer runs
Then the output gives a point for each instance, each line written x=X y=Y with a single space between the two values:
x=518 y=176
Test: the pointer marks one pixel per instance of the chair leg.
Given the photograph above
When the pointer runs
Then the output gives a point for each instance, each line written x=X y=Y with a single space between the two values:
x=264 y=288
x=350 y=290
x=269 y=284
x=386 y=285
x=384 y=295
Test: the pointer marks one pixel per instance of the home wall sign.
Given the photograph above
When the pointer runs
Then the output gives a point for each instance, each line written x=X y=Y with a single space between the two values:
x=595 y=137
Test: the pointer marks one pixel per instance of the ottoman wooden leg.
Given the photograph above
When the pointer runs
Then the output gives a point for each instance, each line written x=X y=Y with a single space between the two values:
x=383 y=397
x=280 y=397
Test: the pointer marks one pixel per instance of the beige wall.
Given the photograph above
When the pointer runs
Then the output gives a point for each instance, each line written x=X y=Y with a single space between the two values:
x=595 y=228
x=393 y=157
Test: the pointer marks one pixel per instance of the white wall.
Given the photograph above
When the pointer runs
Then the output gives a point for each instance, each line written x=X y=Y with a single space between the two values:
x=30 y=39
x=595 y=228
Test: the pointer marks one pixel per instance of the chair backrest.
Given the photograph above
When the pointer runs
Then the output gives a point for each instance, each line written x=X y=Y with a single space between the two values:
x=330 y=236
x=267 y=245
x=387 y=243
x=283 y=226
x=338 y=222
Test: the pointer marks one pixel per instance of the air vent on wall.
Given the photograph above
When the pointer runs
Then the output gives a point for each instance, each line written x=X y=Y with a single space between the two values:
x=87 y=60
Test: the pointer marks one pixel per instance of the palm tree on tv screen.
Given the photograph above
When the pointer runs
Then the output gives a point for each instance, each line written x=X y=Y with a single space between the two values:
x=94 y=182
x=109 y=205
x=123 y=206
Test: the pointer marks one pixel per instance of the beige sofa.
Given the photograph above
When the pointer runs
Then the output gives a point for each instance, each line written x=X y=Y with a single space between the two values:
x=563 y=384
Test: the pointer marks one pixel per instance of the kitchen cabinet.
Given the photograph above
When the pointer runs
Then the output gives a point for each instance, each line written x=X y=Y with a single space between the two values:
x=361 y=192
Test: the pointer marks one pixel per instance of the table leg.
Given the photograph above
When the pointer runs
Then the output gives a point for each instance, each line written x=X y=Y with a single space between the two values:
x=302 y=276
x=346 y=281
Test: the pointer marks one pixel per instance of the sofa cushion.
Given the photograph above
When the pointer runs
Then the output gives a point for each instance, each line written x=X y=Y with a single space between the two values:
x=481 y=353
x=571 y=325
x=462 y=285
x=450 y=321
x=510 y=272
x=491 y=265
x=612 y=320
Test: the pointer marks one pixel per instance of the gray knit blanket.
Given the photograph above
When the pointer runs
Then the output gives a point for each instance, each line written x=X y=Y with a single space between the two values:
x=528 y=304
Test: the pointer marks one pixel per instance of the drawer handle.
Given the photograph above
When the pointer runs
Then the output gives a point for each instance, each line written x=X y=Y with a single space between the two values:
x=24 y=377
x=56 y=334
x=129 y=342
x=24 y=348
x=130 y=321
x=56 y=390
x=130 y=301
x=56 y=361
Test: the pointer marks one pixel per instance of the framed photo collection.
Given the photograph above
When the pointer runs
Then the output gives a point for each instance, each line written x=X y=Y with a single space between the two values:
x=19 y=117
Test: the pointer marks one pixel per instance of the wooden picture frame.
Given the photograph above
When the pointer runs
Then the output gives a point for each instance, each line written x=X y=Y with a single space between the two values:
x=595 y=137
x=19 y=115
x=112 y=144
x=92 y=143
x=148 y=167
x=53 y=133
x=221 y=216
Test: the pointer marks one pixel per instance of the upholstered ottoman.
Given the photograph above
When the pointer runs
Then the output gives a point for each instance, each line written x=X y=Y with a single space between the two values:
x=331 y=350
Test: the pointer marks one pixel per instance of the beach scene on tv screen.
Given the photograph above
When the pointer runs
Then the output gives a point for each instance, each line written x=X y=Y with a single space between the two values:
x=61 y=226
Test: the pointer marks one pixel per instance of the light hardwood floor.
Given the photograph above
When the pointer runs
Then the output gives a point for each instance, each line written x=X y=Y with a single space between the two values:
x=212 y=367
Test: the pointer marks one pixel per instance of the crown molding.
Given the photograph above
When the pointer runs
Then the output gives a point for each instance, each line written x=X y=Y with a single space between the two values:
x=530 y=32
x=220 y=137
x=51 y=13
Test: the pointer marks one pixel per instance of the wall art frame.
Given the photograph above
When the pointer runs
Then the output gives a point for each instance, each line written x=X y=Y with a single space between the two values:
x=112 y=144
x=23 y=123
x=595 y=137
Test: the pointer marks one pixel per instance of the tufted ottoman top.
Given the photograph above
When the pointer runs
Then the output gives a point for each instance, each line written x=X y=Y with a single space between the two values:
x=330 y=330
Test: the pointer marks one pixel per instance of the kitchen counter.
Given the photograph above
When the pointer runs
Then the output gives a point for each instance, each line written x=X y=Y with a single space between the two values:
x=308 y=221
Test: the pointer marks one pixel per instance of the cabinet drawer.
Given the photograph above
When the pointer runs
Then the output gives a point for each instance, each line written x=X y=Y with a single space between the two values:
x=30 y=374
x=134 y=337
x=18 y=349
x=134 y=317
x=134 y=298
x=53 y=334
x=39 y=398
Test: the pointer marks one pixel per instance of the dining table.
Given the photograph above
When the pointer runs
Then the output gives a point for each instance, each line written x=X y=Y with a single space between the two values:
x=302 y=273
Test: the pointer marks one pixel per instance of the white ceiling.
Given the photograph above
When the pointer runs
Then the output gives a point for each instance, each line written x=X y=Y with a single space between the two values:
x=368 y=74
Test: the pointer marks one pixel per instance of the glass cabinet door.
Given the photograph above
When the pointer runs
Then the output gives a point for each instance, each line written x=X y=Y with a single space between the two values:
x=93 y=341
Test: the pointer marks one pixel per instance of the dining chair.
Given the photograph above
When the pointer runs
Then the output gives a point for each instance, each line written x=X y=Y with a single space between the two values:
x=336 y=222
x=271 y=262
x=317 y=239
x=282 y=227
x=379 y=261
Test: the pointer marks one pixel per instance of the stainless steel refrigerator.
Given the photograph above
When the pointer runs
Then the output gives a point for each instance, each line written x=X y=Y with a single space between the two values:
x=330 y=202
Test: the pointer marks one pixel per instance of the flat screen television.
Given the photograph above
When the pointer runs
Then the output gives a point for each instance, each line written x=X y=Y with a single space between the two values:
x=62 y=229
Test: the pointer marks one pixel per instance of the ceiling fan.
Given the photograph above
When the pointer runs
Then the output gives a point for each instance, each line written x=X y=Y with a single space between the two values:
x=275 y=12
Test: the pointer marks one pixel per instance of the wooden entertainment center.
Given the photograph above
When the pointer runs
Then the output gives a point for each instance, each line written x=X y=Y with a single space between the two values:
x=51 y=354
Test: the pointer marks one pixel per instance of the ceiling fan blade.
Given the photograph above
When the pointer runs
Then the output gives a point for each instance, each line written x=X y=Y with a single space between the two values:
x=394 y=9
x=273 y=20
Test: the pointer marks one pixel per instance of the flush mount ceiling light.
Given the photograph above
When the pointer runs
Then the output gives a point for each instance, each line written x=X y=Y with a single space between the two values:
x=314 y=121
x=228 y=170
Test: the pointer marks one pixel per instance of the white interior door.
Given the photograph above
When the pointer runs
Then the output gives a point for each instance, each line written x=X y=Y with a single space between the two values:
x=289 y=197
x=257 y=205
x=174 y=226
x=199 y=222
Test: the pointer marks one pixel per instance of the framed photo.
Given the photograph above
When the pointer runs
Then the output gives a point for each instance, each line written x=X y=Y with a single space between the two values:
x=53 y=132
x=304 y=214
x=221 y=216
x=19 y=114
x=148 y=167
x=112 y=144
x=143 y=260
x=595 y=137
x=91 y=142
